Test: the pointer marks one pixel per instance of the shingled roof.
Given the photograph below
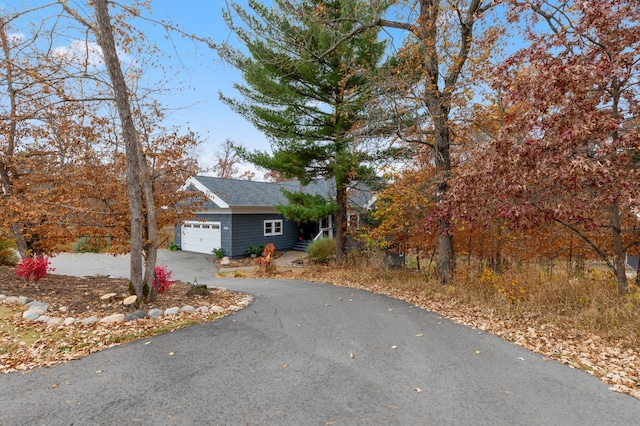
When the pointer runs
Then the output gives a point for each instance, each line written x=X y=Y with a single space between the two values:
x=234 y=192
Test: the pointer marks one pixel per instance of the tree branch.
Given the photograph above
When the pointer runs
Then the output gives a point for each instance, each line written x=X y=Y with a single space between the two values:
x=595 y=248
x=378 y=22
x=77 y=17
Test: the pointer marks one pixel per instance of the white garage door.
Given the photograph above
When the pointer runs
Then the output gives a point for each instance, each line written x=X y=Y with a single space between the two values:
x=201 y=237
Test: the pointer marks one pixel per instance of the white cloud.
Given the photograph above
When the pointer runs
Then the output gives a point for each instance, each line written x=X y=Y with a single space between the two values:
x=82 y=53
x=15 y=37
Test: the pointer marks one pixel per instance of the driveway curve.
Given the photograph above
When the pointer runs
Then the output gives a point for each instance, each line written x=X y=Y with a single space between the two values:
x=313 y=354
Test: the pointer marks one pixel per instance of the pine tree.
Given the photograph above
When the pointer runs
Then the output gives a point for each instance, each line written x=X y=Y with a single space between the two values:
x=310 y=105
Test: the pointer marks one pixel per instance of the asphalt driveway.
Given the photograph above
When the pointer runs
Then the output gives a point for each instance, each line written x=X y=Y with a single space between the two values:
x=312 y=354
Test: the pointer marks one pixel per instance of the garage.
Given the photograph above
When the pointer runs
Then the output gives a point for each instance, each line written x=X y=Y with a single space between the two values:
x=201 y=237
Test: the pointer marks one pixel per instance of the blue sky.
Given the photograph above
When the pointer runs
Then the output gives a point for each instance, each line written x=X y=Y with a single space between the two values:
x=199 y=73
x=206 y=75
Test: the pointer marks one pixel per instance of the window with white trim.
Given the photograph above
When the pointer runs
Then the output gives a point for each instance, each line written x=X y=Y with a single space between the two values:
x=272 y=227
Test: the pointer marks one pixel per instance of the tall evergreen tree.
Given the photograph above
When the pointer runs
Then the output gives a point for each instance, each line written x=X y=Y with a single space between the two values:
x=309 y=104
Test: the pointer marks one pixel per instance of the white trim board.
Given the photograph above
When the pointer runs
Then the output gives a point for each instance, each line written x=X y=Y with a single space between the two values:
x=210 y=195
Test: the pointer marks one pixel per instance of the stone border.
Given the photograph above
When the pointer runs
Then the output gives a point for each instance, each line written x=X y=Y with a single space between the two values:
x=36 y=312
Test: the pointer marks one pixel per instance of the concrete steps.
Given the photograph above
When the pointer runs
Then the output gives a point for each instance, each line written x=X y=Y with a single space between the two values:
x=301 y=245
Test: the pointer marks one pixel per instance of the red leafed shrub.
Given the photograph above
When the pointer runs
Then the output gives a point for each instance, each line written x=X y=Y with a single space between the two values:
x=163 y=281
x=33 y=268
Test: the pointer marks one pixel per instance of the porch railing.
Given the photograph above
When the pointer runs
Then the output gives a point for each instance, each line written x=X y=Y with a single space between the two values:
x=324 y=233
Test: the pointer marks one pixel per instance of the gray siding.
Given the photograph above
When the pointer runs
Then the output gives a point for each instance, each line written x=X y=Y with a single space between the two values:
x=248 y=231
x=241 y=231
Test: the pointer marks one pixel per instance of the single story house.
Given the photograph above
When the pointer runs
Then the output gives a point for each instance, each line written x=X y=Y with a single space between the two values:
x=238 y=214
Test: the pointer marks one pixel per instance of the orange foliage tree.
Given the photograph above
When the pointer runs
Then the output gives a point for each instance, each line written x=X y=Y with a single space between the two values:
x=402 y=209
x=63 y=165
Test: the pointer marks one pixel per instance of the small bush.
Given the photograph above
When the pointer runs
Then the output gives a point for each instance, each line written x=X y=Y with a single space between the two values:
x=90 y=245
x=33 y=268
x=322 y=250
x=8 y=255
x=173 y=246
x=255 y=250
x=163 y=282
x=217 y=252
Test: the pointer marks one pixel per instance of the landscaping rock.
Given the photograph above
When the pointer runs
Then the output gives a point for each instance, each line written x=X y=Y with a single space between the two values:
x=225 y=261
x=112 y=319
x=38 y=306
x=245 y=302
x=3 y=297
x=155 y=313
x=217 y=309
x=43 y=318
x=200 y=289
x=130 y=300
x=24 y=300
x=107 y=296
x=188 y=309
x=11 y=299
x=234 y=308
x=31 y=314
x=136 y=315
x=172 y=311
x=68 y=321
x=90 y=320
x=203 y=309
x=55 y=321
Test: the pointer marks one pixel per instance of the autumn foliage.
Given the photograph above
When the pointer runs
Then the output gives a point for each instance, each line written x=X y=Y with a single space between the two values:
x=163 y=281
x=33 y=268
x=546 y=168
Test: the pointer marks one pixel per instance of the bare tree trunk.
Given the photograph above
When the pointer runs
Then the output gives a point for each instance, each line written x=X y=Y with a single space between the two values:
x=618 y=251
x=129 y=133
x=439 y=88
x=21 y=242
x=341 y=222
x=446 y=255
x=151 y=243
x=616 y=225
x=446 y=259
